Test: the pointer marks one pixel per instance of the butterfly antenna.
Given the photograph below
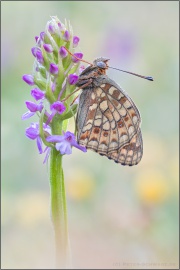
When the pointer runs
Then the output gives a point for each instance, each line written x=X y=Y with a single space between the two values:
x=77 y=57
x=132 y=73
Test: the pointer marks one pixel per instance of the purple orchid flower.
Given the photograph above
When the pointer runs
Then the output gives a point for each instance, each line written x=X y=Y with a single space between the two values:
x=37 y=94
x=32 y=133
x=33 y=108
x=65 y=142
x=56 y=107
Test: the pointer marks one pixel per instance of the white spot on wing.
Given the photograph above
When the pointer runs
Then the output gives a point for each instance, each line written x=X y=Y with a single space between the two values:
x=98 y=92
x=123 y=138
x=93 y=96
x=113 y=145
x=111 y=90
x=87 y=127
x=97 y=122
x=93 y=107
x=104 y=105
x=122 y=111
x=131 y=129
x=93 y=144
x=106 y=126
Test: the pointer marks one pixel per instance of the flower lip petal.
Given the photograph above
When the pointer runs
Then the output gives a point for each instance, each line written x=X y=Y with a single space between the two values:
x=64 y=148
x=58 y=106
x=82 y=148
x=65 y=142
x=27 y=115
x=55 y=138
x=39 y=144
x=47 y=150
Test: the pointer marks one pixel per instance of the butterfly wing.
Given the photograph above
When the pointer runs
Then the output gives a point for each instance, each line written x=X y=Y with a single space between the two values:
x=131 y=153
x=108 y=122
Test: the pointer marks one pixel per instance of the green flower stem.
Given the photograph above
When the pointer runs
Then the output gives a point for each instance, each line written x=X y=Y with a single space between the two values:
x=58 y=208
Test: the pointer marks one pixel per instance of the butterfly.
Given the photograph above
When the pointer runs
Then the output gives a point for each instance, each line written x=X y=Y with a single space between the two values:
x=108 y=122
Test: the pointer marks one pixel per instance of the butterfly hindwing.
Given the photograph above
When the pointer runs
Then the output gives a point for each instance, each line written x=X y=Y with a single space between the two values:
x=131 y=153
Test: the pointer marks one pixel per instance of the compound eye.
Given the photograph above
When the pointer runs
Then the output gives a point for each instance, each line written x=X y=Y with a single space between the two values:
x=101 y=64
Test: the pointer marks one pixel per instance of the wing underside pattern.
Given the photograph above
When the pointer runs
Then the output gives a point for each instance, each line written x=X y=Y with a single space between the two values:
x=108 y=123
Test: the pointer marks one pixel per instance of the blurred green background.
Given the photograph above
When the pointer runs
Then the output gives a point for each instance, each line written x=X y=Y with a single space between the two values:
x=119 y=217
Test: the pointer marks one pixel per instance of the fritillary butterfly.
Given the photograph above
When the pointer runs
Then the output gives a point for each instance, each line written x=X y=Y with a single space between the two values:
x=108 y=122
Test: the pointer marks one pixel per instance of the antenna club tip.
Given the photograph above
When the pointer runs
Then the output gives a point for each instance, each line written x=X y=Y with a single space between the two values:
x=149 y=78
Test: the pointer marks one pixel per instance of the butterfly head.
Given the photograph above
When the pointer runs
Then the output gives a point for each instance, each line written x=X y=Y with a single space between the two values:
x=101 y=62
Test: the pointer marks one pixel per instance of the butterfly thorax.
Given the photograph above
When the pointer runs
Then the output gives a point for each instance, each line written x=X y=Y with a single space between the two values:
x=93 y=72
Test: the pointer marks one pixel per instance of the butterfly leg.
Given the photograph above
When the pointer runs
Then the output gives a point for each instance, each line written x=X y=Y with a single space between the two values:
x=79 y=88
x=74 y=100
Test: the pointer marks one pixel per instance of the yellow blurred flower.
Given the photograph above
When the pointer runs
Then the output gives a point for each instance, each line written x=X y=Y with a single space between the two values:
x=152 y=186
x=80 y=185
x=32 y=209
x=150 y=157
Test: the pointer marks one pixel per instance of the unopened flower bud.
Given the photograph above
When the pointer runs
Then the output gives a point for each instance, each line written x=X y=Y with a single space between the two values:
x=53 y=68
x=75 y=41
x=73 y=78
x=39 y=57
x=66 y=35
x=62 y=51
x=48 y=48
x=29 y=79
x=78 y=55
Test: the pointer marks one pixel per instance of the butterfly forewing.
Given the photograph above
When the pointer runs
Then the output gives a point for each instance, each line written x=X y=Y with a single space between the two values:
x=108 y=122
